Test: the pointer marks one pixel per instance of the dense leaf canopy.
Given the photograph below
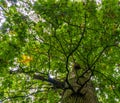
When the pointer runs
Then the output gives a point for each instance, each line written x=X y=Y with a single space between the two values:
x=47 y=36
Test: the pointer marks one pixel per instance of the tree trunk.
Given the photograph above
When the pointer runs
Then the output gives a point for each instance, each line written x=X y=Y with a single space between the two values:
x=82 y=93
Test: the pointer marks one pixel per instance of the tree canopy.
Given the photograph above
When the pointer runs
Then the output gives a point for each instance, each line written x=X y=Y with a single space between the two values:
x=45 y=37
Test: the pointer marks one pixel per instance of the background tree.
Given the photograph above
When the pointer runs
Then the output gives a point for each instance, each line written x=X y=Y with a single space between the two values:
x=40 y=41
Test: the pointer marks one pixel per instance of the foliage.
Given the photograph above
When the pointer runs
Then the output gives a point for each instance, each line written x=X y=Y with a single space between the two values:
x=46 y=37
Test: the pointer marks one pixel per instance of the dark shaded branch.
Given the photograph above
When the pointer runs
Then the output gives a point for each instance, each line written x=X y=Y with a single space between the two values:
x=82 y=35
x=67 y=58
x=67 y=79
x=105 y=76
x=97 y=58
x=43 y=77
x=83 y=74
x=85 y=82
x=59 y=42
x=111 y=81
x=3 y=9
x=100 y=54
x=49 y=58
x=78 y=44
x=56 y=83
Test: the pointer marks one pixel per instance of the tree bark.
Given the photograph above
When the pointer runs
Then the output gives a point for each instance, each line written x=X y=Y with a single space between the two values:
x=84 y=92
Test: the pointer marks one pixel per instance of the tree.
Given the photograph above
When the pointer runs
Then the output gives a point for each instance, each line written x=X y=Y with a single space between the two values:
x=41 y=41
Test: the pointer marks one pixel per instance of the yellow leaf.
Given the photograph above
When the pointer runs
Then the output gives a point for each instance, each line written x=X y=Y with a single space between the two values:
x=26 y=59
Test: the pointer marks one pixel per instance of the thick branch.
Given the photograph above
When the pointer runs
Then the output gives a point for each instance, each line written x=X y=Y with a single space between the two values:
x=56 y=83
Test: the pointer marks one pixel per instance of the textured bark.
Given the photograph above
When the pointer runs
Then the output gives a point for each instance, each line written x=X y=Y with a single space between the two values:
x=83 y=92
